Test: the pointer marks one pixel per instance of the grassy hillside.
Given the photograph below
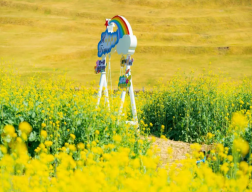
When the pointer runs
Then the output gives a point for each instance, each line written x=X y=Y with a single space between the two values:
x=61 y=36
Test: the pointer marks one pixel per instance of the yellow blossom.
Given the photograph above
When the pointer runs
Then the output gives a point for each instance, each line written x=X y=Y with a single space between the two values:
x=43 y=134
x=43 y=125
x=72 y=147
x=241 y=146
x=244 y=166
x=210 y=135
x=72 y=136
x=239 y=121
x=169 y=150
x=9 y=130
x=25 y=127
x=230 y=158
x=117 y=138
x=80 y=146
x=224 y=168
x=48 y=143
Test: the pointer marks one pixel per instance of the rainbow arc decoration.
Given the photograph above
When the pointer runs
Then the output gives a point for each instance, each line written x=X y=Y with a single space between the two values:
x=110 y=39
x=122 y=24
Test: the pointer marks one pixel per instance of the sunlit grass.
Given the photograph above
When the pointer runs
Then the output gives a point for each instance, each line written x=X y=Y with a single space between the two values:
x=42 y=36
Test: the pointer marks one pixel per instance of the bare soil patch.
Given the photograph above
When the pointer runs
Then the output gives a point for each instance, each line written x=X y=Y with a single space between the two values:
x=180 y=149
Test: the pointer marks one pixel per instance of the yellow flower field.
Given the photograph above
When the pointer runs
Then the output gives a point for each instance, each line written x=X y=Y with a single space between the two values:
x=54 y=138
x=193 y=130
x=113 y=167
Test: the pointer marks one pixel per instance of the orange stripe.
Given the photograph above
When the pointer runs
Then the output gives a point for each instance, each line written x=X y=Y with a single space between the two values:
x=123 y=23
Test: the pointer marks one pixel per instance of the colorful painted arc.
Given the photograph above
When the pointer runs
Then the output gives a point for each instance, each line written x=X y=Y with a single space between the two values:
x=122 y=25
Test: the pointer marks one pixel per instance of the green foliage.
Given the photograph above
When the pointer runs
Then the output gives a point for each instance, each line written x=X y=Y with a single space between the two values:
x=60 y=110
x=192 y=107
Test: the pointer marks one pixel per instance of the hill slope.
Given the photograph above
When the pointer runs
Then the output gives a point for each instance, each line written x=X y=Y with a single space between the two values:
x=61 y=36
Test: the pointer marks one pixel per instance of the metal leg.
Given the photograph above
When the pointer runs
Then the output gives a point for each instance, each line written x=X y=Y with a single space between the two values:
x=106 y=91
x=103 y=75
x=133 y=103
x=122 y=101
x=132 y=100
x=103 y=83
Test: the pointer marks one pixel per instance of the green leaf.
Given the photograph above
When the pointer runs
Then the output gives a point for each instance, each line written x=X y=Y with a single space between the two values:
x=21 y=119
x=7 y=139
x=10 y=122
x=33 y=136
x=78 y=122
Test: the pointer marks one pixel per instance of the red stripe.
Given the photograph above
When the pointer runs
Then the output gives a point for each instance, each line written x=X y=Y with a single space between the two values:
x=123 y=22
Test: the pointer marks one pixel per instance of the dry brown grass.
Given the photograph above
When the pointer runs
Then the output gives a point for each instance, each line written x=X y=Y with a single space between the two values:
x=61 y=36
x=180 y=149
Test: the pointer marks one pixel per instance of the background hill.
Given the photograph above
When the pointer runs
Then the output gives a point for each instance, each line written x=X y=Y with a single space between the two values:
x=60 y=36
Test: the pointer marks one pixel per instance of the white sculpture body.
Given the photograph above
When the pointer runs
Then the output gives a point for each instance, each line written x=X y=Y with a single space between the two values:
x=124 y=43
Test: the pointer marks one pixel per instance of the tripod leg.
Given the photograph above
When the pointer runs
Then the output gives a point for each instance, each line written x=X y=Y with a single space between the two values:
x=121 y=107
x=133 y=103
x=101 y=84
x=122 y=101
x=106 y=92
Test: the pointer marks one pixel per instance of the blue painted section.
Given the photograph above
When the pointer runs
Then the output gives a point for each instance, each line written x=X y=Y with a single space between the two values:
x=105 y=47
x=201 y=161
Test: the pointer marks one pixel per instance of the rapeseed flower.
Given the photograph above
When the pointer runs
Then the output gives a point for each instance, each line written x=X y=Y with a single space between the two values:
x=244 y=166
x=117 y=138
x=43 y=125
x=48 y=143
x=80 y=146
x=241 y=146
x=9 y=130
x=239 y=121
x=72 y=136
x=43 y=134
x=25 y=127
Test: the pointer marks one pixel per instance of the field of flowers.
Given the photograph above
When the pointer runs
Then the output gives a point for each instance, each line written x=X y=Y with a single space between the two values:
x=55 y=138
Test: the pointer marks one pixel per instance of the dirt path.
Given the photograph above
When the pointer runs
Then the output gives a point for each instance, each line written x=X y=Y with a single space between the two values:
x=180 y=149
